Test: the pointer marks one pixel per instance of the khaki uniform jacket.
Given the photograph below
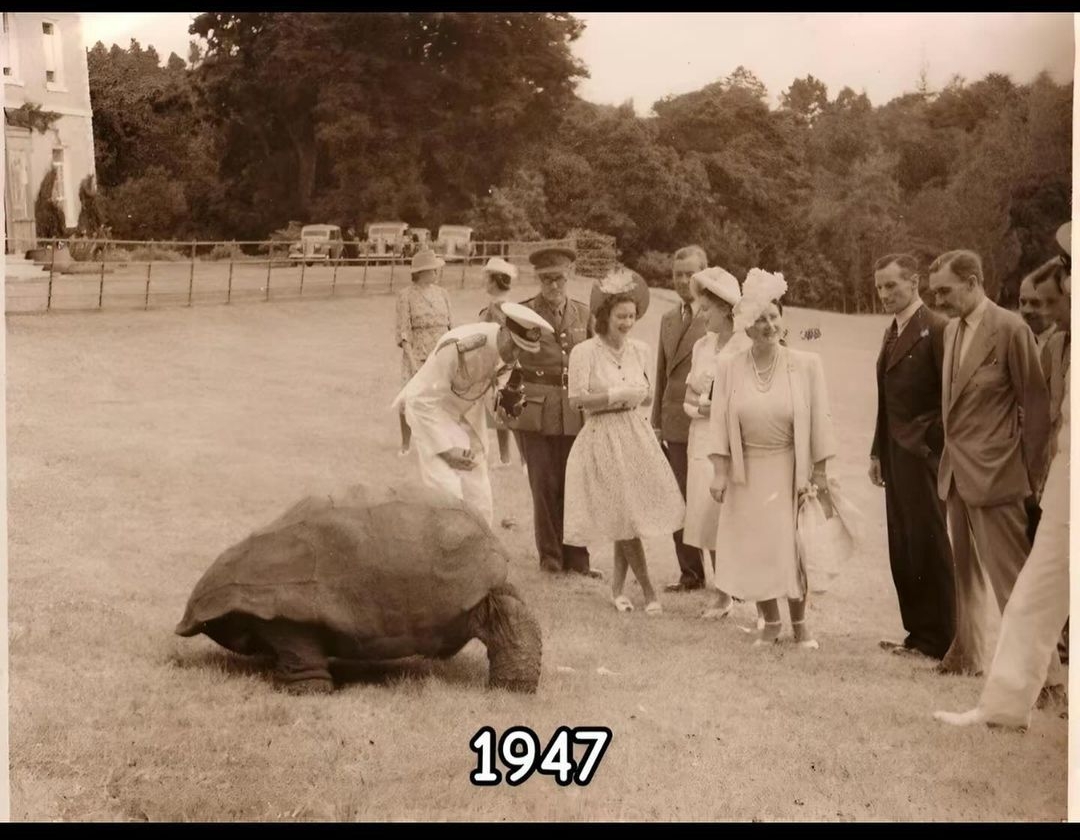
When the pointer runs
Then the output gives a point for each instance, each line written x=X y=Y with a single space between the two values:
x=547 y=407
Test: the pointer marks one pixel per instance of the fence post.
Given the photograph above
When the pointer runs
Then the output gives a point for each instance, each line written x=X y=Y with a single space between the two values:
x=191 y=276
x=333 y=280
x=269 y=266
x=228 y=293
x=101 y=283
x=363 y=282
x=393 y=262
x=52 y=262
x=464 y=262
x=149 y=267
x=303 y=267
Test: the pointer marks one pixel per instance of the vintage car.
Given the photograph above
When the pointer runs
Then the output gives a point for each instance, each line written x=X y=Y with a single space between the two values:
x=318 y=243
x=385 y=239
x=454 y=242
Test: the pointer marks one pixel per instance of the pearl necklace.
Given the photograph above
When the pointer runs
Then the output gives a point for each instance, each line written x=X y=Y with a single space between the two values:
x=763 y=381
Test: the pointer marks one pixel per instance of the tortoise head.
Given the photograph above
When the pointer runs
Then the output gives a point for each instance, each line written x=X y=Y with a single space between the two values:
x=512 y=636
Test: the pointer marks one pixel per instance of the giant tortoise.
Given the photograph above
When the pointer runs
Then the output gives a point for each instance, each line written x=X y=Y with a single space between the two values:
x=368 y=574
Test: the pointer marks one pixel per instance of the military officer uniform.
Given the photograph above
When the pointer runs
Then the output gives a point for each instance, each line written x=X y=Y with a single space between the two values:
x=447 y=401
x=548 y=425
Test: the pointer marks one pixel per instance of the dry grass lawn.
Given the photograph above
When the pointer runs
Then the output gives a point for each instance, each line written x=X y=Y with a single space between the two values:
x=143 y=444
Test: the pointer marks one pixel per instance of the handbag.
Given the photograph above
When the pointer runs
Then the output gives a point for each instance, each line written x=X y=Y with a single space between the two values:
x=825 y=540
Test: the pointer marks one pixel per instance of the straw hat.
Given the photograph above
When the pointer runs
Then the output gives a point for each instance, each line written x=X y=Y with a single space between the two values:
x=425 y=261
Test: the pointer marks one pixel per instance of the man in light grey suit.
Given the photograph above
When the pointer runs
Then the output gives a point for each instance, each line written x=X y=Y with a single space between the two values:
x=995 y=409
x=680 y=327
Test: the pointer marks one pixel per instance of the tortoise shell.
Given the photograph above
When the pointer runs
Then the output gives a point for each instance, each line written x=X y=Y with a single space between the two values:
x=386 y=572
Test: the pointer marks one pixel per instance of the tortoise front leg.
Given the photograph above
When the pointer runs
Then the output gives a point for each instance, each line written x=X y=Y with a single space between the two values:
x=512 y=636
x=302 y=665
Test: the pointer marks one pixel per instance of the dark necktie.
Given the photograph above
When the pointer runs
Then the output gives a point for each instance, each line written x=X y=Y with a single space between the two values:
x=960 y=329
x=687 y=315
x=890 y=340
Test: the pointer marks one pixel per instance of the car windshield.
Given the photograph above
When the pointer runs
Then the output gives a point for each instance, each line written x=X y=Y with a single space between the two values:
x=316 y=234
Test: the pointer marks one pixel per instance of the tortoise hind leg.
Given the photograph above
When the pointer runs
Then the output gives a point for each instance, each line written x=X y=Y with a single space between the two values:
x=302 y=665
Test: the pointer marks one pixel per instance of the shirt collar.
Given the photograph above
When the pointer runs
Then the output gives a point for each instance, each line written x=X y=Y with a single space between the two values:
x=1045 y=334
x=974 y=318
x=906 y=314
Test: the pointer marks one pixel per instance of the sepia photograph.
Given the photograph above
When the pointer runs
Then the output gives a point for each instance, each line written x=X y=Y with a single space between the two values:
x=608 y=417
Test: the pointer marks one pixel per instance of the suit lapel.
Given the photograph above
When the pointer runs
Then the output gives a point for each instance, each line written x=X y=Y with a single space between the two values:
x=670 y=333
x=949 y=338
x=913 y=333
x=982 y=343
x=685 y=346
x=881 y=350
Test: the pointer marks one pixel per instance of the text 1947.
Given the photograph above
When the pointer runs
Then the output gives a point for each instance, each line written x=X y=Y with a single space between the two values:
x=520 y=751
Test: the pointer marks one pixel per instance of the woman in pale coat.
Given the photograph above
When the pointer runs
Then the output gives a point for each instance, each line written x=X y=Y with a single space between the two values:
x=717 y=293
x=771 y=434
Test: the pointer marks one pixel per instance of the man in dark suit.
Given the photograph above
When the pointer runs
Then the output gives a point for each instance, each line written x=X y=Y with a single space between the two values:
x=908 y=441
x=996 y=413
x=679 y=329
x=547 y=426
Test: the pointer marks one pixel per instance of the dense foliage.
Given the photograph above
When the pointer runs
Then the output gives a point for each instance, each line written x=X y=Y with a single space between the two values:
x=440 y=118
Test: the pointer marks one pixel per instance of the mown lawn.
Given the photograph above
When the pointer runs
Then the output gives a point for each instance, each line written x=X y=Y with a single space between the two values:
x=143 y=444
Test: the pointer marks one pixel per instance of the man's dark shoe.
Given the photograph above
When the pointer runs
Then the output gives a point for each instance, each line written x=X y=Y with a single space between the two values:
x=682 y=586
x=549 y=564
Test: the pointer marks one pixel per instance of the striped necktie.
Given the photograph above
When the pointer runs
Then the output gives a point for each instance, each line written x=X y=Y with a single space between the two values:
x=890 y=340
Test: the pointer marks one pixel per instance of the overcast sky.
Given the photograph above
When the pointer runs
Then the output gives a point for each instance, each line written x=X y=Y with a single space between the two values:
x=645 y=56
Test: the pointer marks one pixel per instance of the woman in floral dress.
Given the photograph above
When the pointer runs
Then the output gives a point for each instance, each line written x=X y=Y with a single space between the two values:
x=424 y=314
x=619 y=486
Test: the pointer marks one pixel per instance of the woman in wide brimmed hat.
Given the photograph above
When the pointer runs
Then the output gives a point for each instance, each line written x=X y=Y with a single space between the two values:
x=500 y=275
x=424 y=315
x=619 y=486
x=717 y=293
x=770 y=435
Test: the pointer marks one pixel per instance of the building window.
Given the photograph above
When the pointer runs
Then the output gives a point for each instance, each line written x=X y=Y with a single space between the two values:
x=9 y=47
x=52 y=45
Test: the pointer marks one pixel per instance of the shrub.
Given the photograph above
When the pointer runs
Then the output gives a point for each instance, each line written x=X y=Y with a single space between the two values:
x=655 y=267
x=225 y=251
x=596 y=253
x=151 y=206
x=48 y=214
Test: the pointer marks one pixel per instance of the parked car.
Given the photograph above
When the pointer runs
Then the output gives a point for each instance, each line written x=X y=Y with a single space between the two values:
x=421 y=238
x=455 y=242
x=385 y=239
x=318 y=243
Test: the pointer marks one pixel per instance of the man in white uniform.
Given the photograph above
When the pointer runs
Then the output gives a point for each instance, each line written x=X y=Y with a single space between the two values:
x=447 y=401
x=1039 y=603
